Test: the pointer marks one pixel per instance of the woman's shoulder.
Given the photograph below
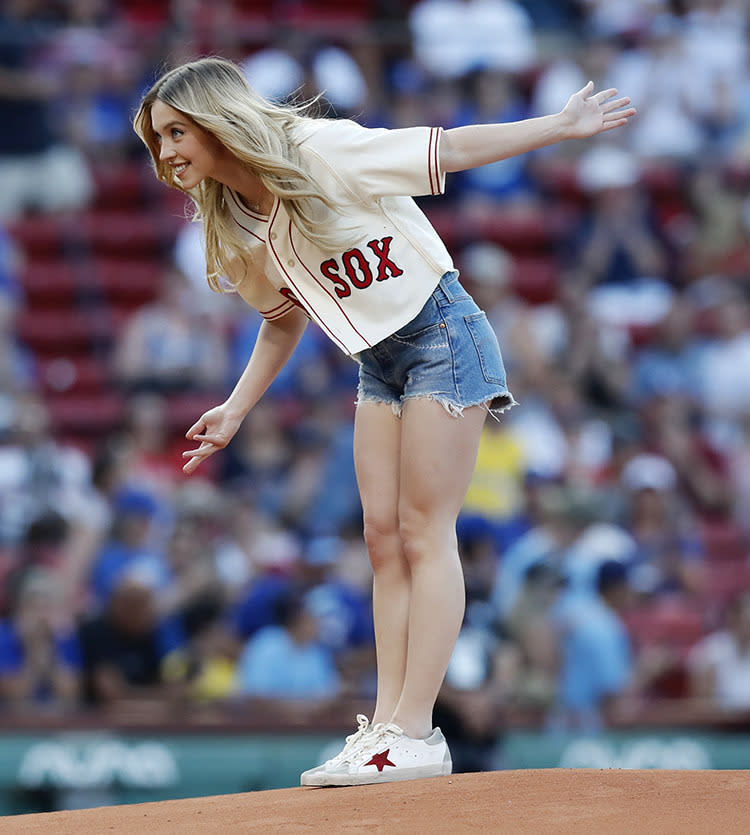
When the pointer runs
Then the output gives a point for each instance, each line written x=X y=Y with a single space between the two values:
x=321 y=133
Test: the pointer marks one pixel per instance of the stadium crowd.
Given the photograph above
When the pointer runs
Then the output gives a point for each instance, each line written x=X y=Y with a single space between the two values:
x=605 y=535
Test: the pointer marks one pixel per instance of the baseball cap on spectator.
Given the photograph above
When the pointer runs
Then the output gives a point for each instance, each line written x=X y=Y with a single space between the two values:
x=131 y=501
x=648 y=472
x=611 y=573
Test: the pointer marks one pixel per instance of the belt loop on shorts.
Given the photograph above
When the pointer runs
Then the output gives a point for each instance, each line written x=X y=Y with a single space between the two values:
x=444 y=285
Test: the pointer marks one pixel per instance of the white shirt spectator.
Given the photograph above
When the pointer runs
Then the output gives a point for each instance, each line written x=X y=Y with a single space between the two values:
x=720 y=654
x=454 y=37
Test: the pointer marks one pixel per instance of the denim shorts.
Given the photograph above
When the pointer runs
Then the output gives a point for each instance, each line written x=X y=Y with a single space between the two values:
x=448 y=353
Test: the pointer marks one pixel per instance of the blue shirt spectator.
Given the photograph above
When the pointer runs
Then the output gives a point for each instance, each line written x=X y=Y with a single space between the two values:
x=597 y=661
x=288 y=661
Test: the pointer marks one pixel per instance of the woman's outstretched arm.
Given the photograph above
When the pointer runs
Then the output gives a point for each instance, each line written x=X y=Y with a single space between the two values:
x=215 y=428
x=586 y=114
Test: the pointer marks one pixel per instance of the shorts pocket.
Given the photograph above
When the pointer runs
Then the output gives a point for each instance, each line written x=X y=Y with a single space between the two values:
x=432 y=336
x=488 y=350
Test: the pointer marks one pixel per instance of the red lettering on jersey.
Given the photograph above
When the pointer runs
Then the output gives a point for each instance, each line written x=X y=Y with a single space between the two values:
x=330 y=269
x=382 y=249
x=349 y=258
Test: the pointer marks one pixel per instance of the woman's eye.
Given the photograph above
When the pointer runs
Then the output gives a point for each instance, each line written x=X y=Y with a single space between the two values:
x=176 y=132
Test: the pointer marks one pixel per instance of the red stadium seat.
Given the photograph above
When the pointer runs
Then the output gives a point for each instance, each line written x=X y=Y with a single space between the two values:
x=128 y=234
x=64 y=332
x=670 y=623
x=86 y=415
x=123 y=185
x=74 y=374
x=40 y=235
x=724 y=540
x=128 y=283
x=535 y=278
x=49 y=283
x=724 y=579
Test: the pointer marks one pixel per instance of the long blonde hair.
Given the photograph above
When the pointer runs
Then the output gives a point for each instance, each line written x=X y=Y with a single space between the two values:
x=214 y=94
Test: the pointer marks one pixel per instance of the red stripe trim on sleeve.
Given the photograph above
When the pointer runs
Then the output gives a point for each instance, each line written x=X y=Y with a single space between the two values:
x=281 y=313
x=436 y=162
x=429 y=160
x=285 y=303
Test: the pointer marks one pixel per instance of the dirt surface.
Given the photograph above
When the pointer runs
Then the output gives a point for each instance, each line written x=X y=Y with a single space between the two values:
x=595 y=802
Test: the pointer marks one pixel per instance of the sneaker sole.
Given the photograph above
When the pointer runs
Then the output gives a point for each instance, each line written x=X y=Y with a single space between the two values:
x=443 y=769
x=309 y=778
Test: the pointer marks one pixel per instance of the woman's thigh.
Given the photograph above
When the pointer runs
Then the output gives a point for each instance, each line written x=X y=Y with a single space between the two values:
x=377 y=452
x=438 y=454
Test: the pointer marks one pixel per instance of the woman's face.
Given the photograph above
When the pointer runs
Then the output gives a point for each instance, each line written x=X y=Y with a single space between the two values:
x=192 y=152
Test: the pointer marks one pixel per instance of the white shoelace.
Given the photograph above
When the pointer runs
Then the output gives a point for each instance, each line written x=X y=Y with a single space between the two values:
x=354 y=740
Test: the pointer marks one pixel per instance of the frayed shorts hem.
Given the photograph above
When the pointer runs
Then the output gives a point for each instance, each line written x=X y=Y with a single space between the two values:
x=495 y=407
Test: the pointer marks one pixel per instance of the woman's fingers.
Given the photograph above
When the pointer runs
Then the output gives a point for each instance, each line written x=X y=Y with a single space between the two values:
x=196 y=427
x=614 y=105
x=216 y=440
x=196 y=456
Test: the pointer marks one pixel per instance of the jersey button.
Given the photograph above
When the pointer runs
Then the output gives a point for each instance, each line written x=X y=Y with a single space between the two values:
x=291 y=262
x=273 y=236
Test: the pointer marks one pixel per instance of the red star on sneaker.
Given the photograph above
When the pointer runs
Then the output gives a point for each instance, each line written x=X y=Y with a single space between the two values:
x=381 y=760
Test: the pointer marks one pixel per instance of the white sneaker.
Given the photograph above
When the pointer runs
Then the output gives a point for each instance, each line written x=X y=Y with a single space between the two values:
x=388 y=755
x=353 y=742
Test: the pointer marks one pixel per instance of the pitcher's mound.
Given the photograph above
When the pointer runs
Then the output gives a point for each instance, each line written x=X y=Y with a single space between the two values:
x=583 y=801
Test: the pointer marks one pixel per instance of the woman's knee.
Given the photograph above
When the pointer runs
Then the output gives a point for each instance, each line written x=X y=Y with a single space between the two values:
x=422 y=534
x=383 y=542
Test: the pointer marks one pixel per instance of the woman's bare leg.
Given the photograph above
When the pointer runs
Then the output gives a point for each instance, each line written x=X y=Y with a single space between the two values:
x=438 y=454
x=377 y=452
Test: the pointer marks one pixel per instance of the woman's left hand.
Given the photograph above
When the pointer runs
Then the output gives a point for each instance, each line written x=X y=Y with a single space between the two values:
x=588 y=113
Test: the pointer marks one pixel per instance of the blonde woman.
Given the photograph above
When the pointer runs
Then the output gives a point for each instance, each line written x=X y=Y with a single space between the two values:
x=314 y=219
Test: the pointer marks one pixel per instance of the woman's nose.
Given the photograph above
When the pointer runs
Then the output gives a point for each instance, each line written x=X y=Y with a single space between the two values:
x=165 y=152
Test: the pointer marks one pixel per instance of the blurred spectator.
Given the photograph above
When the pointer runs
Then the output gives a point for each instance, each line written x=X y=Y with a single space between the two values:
x=666 y=364
x=295 y=65
x=562 y=515
x=669 y=553
x=122 y=648
x=18 y=370
x=98 y=69
x=38 y=170
x=453 y=37
x=719 y=664
x=155 y=444
x=660 y=75
x=618 y=251
x=39 y=655
x=205 y=666
x=597 y=667
x=38 y=472
x=343 y=611
x=674 y=428
x=130 y=550
x=287 y=661
x=194 y=586
x=726 y=353
x=717 y=233
x=533 y=640
x=171 y=344
x=495 y=97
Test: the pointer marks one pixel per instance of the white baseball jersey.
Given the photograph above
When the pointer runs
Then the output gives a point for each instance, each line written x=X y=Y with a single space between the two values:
x=365 y=292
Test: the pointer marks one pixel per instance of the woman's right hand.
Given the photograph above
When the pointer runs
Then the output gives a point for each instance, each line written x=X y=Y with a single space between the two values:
x=214 y=429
